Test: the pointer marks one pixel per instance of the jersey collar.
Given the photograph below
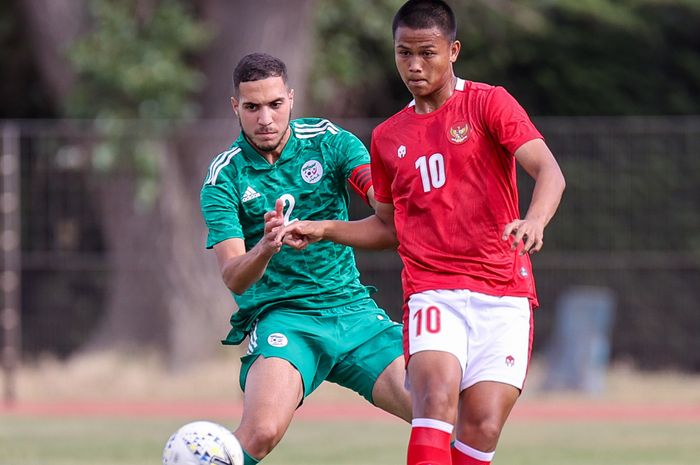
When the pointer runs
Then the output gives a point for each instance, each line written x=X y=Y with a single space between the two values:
x=459 y=85
x=257 y=160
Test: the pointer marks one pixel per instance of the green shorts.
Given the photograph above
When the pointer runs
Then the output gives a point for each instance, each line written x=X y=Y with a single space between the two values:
x=349 y=345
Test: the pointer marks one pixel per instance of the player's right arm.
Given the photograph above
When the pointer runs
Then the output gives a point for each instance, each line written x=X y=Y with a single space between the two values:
x=367 y=233
x=241 y=269
x=374 y=232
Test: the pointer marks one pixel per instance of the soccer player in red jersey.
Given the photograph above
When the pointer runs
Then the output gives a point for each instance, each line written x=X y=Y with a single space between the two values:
x=444 y=175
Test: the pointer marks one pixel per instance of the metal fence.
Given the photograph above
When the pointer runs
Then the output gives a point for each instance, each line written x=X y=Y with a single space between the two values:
x=629 y=222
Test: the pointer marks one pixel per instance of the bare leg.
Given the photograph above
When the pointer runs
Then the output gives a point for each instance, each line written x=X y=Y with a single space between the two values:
x=435 y=378
x=484 y=408
x=389 y=392
x=272 y=393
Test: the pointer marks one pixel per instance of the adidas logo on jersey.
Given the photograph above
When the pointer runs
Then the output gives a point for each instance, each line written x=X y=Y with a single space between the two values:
x=250 y=194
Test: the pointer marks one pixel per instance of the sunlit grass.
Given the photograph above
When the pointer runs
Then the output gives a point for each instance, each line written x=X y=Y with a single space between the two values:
x=138 y=441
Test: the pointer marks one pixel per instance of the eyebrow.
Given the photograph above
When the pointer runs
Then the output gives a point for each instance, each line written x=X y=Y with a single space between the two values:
x=277 y=100
x=401 y=45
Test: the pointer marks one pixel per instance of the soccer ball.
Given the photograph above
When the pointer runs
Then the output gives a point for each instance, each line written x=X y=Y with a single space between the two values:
x=202 y=443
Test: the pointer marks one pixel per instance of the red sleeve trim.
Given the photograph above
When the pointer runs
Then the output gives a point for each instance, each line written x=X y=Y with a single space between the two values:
x=361 y=180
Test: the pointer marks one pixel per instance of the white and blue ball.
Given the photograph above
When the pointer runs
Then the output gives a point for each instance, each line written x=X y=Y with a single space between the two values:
x=202 y=443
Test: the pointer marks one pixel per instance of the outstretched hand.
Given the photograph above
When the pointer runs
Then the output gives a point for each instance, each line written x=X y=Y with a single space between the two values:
x=529 y=232
x=300 y=234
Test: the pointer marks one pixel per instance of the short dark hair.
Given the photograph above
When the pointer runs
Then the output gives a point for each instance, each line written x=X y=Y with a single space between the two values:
x=425 y=14
x=258 y=66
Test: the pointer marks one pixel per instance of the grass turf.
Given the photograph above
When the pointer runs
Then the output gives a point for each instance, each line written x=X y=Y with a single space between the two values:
x=34 y=440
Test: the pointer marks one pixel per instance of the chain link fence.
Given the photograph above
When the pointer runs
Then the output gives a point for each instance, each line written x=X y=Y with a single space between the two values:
x=629 y=222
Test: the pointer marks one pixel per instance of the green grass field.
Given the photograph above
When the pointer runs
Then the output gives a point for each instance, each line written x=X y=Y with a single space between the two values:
x=32 y=440
x=639 y=420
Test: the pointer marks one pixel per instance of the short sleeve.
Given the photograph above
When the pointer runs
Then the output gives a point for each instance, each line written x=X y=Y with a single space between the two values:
x=380 y=177
x=508 y=121
x=219 y=203
x=351 y=152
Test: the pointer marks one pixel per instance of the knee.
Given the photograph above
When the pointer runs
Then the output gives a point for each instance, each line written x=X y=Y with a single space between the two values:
x=436 y=403
x=259 y=440
x=484 y=434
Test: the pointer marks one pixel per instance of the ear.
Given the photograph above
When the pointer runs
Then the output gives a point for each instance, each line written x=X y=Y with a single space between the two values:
x=234 y=105
x=454 y=50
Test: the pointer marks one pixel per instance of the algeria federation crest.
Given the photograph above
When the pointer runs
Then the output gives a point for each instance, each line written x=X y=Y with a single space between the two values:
x=458 y=132
x=277 y=340
x=312 y=171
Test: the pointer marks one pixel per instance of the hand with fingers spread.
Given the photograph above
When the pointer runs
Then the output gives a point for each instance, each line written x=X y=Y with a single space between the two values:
x=529 y=232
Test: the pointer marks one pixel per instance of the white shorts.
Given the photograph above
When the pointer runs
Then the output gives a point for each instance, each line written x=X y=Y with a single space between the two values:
x=490 y=336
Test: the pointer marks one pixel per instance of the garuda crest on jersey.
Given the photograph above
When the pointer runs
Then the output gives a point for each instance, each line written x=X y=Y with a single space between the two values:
x=458 y=132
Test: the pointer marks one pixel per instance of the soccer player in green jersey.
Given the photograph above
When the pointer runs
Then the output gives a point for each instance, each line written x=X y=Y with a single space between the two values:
x=307 y=315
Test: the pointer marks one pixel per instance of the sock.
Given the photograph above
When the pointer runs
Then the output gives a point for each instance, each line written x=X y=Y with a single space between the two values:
x=247 y=459
x=462 y=454
x=429 y=443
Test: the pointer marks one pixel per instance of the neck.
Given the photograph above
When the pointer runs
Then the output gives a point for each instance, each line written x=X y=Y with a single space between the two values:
x=434 y=100
x=273 y=155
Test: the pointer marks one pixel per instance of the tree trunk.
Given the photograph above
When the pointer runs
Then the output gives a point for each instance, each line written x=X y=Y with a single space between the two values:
x=282 y=29
x=166 y=291
x=135 y=309
x=51 y=26
x=197 y=301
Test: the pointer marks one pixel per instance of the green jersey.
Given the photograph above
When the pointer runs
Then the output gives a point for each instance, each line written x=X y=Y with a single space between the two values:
x=310 y=177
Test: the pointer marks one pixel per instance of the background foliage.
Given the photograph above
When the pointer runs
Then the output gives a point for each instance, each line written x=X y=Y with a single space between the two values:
x=143 y=59
x=595 y=57
x=137 y=67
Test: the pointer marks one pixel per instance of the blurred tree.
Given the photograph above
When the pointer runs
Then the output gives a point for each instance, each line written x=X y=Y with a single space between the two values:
x=601 y=57
x=562 y=57
x=21 y=94
x=116 y=61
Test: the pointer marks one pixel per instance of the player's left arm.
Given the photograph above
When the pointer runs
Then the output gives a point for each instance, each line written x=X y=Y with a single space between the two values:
x=360 y=180
x=539 y=162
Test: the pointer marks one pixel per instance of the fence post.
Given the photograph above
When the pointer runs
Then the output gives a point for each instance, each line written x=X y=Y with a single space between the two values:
x=10 y=258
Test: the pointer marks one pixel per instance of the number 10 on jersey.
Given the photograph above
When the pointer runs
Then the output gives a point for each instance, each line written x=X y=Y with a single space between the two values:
x=432 y=171
x=427 y=319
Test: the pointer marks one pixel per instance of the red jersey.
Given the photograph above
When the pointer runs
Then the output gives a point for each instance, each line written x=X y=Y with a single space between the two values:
x=451 y=176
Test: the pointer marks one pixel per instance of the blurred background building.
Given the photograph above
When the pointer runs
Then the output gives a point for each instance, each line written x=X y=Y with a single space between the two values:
x=111 y=110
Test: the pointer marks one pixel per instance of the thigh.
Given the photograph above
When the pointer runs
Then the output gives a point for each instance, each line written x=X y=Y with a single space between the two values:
x=389 y=392
x=291 y=337
x=500 y=339
x=273 y=391
x=434 y=380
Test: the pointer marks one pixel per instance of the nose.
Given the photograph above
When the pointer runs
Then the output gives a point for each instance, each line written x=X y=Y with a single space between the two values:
x=265 y=116
x=415 y=65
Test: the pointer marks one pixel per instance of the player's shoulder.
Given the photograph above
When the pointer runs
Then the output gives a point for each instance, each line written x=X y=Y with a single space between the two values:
x=223 y=164
x=484 y=92
x=392 y=122
x=315 y=130
x=473 y=90
x=484 y=98
x=477 y=87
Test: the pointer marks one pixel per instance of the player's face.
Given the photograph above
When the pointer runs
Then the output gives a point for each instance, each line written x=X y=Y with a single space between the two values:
x=424 y=58
x=264 y=109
